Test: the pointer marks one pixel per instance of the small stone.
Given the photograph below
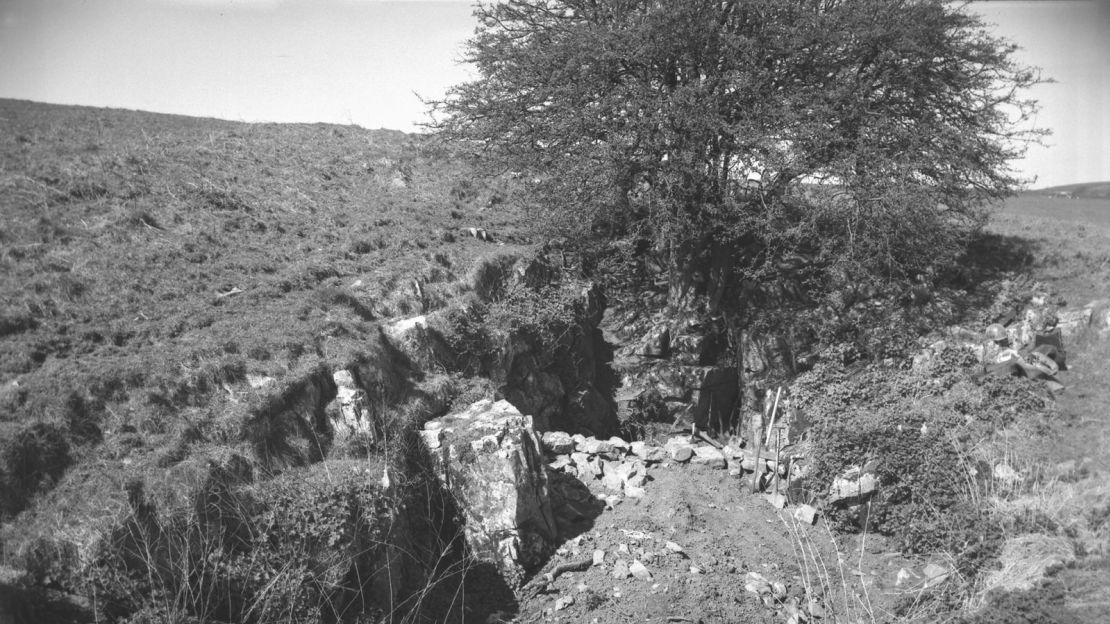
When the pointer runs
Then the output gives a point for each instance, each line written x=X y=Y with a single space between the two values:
x=757 y=584
x=651 y=454
x=854 y=484
x=681 y=454
x=557 y=442
x=904 y=575
x=732 y=452
x=778 y=590
x=748 y=464
x=260 y=381
x=432 y=438
x=778 y=501
x=618 y=443
x=612 y=481
x=815 y=609
x=935 y=574
x=620 y=570
x=678 y=440
x=806 y=514
x=695 y=569
x=560 y=462
x=599 y=557
x=1005 y=473
x=581 y=463
x=596 y=447
x=709 y=456
x=632 y=491
x=623 y=548
x=564 y=602
x=629 y=469
x=639 y=570
x=675 y=548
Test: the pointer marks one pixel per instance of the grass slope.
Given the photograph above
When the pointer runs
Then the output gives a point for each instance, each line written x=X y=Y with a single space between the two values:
x=152 y=264
x=1086 y=190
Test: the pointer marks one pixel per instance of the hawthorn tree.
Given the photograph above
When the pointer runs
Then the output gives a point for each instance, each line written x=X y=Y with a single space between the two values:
x=750 y=144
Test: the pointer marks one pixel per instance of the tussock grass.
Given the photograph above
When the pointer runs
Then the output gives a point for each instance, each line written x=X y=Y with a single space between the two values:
x=826 y=573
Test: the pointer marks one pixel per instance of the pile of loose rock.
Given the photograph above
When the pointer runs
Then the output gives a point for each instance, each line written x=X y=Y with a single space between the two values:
x=623 y=467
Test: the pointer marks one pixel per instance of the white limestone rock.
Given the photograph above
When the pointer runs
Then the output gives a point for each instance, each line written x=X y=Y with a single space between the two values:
x=489 y=458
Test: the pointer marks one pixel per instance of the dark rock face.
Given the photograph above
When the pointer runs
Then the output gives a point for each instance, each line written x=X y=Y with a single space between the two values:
x=558 y=372
x=670 y=369
x=562 y=385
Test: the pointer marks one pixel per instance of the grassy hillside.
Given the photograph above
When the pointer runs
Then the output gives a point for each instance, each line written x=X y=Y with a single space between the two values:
x=152 y=265
x=1086 y=190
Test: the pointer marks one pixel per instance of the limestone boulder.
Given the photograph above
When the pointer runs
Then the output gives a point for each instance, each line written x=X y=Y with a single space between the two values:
x=679 y=449
x=420 y=339
x=709 y=456
x=647 y=453
x=490 y=459
x=558 y=442
x=352 y=414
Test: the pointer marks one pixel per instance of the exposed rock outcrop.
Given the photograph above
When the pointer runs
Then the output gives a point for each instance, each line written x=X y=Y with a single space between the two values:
x=558 y=375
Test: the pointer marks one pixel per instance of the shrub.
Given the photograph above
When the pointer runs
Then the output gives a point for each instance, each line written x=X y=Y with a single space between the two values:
x=31 y=461
x=917 y=427
x=305 y=547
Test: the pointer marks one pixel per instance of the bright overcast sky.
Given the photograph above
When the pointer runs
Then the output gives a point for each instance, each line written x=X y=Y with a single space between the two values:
x=364 y=61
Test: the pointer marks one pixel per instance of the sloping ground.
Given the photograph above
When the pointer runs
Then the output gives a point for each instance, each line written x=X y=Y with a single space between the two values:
x=719 y=533
x=1088 y=190
x=177 y=296
x=1072 y=254
x=152 y=265
x=179 y=293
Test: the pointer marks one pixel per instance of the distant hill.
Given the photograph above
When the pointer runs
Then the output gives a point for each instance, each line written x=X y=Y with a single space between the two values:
x=1086 y=190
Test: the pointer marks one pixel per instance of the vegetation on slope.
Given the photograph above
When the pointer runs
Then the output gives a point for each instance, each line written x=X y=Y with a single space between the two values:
x=153 y=265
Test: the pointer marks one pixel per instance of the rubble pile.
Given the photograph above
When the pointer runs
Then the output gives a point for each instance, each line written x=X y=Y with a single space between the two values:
x=623 y=467
x=1030 y=344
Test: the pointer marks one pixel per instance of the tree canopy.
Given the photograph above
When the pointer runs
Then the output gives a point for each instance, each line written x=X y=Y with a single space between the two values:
x=855 y=139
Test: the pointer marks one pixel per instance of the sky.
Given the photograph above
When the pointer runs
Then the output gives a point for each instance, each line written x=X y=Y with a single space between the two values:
x=368 y=62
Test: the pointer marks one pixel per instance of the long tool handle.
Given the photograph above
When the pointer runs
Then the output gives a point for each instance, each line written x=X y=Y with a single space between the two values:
x=772 y=423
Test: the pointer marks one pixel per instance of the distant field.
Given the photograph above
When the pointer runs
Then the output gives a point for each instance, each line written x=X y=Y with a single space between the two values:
x=1086 y=190
x=1090 y=211
x=1069 y=239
